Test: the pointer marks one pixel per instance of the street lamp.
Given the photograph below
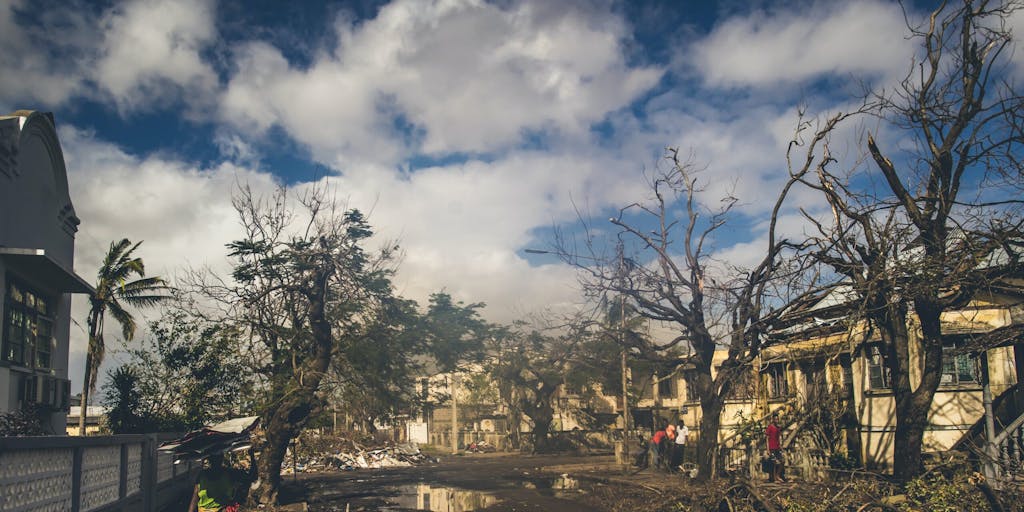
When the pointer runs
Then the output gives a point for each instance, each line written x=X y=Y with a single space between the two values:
x=625 y=367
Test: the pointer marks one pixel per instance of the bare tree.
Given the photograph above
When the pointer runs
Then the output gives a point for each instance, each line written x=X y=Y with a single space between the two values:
x=918 y=243
x=666 y=272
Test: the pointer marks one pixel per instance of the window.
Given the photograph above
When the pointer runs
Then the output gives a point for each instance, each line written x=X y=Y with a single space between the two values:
x=28 y=334
x=778 y=383
x=815 y=379
x=665 y=388
x=29 y=389
x=743 y=386
x=957 y=368
x=879 y=374
x=691 y=388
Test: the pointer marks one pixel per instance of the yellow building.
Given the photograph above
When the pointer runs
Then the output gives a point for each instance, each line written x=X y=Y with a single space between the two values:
x=826 y=375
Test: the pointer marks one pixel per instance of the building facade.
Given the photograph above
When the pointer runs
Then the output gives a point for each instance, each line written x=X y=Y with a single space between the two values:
x=828 y=379
x=37 y=244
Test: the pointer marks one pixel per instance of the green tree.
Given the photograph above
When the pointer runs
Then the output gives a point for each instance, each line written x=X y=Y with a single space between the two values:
x=115 y=291
x=454 y=332
x=531 y=366
x=121 y=394
x=187 y=373
x=302 y=288
x=371 y=374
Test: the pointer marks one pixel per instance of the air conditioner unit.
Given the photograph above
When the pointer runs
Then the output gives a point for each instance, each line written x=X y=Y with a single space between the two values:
x=65 y=395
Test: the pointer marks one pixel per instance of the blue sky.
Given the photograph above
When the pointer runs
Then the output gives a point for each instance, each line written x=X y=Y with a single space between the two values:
x=467 y=129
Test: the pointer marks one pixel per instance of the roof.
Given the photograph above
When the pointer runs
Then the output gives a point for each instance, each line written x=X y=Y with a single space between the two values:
x=47 y=270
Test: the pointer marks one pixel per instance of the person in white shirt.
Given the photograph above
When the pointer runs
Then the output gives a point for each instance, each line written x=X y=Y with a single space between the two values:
x=679 y=447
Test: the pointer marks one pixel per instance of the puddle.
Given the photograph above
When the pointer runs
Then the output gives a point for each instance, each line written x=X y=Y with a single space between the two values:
x=438 y=499
x=559 y=487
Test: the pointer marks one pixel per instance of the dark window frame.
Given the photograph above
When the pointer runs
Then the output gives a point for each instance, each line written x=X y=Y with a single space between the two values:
x=879 y=375
x=691 y=390
x=777 y=381
x=665 y=388
x=26 y=312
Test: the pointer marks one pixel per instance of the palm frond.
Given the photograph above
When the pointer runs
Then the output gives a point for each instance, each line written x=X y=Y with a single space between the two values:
x=124 y=318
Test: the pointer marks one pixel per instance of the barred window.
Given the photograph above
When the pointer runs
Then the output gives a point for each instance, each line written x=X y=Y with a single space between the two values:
x=778 y=382
x=957 y=368
x=879 y=375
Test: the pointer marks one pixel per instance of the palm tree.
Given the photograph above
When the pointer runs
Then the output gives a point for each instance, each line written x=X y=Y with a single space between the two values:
x=114 y=292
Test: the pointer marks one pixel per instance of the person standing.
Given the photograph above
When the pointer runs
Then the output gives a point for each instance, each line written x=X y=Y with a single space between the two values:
x=679 y=450
x=668 y=447
x=772 y=432
x=656 y=443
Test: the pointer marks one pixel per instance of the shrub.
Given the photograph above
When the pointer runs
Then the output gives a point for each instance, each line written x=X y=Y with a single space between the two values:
x=21 y=423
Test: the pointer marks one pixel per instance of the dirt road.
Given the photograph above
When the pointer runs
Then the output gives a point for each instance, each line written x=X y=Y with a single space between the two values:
x=492 y=483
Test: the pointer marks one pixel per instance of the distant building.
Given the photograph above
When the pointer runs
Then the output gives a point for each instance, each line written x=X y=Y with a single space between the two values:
x=94 y=419
x=37 y=245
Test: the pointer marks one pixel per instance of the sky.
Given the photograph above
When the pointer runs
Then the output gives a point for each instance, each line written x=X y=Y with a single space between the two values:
x=467 y=130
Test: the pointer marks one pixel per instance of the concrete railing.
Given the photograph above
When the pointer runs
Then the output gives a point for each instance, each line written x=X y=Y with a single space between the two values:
x=84 y=474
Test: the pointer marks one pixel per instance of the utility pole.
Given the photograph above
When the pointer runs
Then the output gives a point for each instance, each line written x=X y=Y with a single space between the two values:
x=625 y=374
x=625 y=412
x=455 y=415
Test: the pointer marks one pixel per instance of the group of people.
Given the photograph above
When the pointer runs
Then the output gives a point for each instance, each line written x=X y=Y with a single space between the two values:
x=668 y=447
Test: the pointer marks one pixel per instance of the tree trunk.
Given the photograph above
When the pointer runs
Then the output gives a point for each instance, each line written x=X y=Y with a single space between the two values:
x=911 y=421
x=299 y=391
x=84 y=402
x=707 y=443
x=541 y=430
x=914 y=405
x=94 y=324
x=542 y=415
x=272 y=451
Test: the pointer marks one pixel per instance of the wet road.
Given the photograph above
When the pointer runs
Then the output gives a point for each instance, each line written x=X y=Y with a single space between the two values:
x=495 y=483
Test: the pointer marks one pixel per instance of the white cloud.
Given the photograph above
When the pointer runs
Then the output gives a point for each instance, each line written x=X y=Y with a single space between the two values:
x=469 y=76
x=864 y=37
x=31 y=75
x=460 y=226
x=183 y=213
x=151 y=53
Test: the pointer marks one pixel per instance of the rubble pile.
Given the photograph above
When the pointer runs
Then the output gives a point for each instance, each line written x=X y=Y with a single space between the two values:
x=341 y=454
x=392 y=456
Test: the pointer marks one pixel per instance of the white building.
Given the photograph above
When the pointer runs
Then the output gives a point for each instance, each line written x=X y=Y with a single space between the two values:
x=37 y=244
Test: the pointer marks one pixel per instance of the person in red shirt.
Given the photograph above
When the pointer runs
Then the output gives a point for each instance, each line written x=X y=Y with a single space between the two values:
x=775 y=450
x=666 y=447
x=656 y=442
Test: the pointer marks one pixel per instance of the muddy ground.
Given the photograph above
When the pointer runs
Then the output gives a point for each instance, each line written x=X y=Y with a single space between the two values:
x=502 y=482
x=523 y=483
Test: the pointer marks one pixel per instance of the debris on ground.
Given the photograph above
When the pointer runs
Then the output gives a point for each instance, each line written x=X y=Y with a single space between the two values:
x=230 y=435
x=480 y=447
x=338 y=453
